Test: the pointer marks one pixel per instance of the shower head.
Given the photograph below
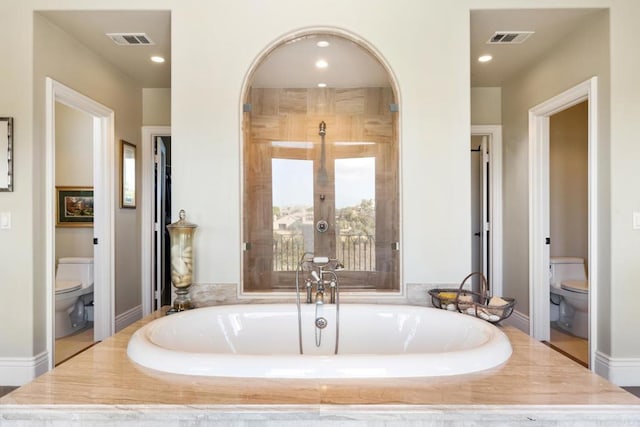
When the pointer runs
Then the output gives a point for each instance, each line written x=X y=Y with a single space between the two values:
x=322 y=172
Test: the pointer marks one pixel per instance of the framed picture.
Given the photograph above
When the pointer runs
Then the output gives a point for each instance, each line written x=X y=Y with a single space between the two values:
x=128 y=175
x=75 y=206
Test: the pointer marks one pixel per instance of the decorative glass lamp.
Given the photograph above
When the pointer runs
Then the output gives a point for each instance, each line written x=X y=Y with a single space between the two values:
x=181 y=235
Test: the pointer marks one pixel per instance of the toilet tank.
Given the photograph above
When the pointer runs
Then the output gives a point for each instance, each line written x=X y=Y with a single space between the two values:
x=76 y=269
x=567 y=268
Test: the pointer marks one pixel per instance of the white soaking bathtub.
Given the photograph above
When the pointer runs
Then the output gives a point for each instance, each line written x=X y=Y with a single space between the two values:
x=375 y=341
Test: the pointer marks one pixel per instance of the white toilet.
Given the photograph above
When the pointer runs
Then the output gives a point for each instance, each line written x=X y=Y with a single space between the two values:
x=570 y=295
x=74 y=291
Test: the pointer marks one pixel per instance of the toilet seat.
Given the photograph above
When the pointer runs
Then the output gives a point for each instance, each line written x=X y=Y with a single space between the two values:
x=64 y=286
x=577 y=286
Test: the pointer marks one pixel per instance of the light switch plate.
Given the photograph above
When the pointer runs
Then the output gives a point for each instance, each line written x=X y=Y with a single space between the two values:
x=5 y=220
x=636 y=220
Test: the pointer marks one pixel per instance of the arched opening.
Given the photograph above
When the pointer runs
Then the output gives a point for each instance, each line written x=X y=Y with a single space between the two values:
x=320 y=164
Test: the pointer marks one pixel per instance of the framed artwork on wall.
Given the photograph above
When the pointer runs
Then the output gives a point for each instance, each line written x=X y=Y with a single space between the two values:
x=75 y=206
x=128 y=175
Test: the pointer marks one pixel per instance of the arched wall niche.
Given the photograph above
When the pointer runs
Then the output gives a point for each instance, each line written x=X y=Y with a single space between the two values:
x=316 y=153
x=304 y=33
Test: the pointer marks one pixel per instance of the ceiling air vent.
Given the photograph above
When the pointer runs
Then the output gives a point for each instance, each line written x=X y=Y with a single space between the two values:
x=509 y=37
x=130 y=39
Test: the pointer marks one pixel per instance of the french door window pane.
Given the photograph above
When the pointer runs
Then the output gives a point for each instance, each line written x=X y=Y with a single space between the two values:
x=292 y=201
x=355 y=189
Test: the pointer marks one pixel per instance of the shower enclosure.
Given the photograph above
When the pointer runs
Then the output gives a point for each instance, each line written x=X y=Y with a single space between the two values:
x=320 y=176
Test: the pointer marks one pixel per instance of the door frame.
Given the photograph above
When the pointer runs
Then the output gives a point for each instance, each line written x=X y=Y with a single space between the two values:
x=539 y=228
x=147 y=206
x=494 y=133
x=103 y=226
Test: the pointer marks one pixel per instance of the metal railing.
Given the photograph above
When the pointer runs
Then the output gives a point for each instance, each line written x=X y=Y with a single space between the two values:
x=357 y=252
x=287 y=251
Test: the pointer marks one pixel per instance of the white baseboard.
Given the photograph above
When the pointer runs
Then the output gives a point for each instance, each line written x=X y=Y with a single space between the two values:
x=128 y=317
x=17 y=371
x=518 y=320
x=622 y=371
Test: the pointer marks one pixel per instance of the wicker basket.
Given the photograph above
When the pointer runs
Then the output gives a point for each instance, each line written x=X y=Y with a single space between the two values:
x=474 y=303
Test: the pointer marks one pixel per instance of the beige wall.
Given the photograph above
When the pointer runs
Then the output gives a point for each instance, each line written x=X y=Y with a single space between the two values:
x=486 y=105
x=206 y=105
x=568 y=182
x=579 y=57
x=618 y=163
x=435 y=116
x=19 y=334
x=74 y=168
x=156 y=107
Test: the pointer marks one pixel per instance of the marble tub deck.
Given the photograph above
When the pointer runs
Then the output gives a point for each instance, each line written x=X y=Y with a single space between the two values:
x=536 y=386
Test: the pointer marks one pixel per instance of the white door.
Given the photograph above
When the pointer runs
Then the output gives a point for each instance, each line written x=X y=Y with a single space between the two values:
x=480 y=238
x=150 y=270
x=162 y=209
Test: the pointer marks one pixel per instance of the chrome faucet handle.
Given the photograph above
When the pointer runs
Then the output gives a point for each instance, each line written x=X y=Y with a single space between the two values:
x=308 y=286
x=317 y=277
x=332 y=294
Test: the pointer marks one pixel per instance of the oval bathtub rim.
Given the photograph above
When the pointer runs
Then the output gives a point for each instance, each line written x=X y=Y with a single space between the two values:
x=492 y=354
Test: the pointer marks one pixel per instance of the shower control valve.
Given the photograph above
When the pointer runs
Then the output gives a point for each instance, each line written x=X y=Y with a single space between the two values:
x=322 y=226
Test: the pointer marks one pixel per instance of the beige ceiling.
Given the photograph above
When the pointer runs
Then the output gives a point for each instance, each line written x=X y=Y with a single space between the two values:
x=292 y=65
x=90 y=27
x=349 y=65
x=550 y=26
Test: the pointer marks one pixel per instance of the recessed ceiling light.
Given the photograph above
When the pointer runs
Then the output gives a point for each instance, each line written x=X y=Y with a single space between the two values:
x=322 y=43
x=321 y=63
x=158 y=59
x=485 y=58
x=322 y=85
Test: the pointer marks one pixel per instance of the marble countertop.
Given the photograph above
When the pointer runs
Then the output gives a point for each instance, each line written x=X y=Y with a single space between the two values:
x=536 y=382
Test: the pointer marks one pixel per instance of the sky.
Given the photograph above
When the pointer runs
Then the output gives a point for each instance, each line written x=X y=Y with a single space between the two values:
x=292 y=181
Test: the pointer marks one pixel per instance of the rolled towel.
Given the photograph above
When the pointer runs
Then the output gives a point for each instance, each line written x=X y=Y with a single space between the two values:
x=447 y=295
x=465 y=298
x=497 y=302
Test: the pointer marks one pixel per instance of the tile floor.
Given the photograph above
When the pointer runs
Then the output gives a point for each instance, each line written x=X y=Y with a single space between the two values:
x=4 y=389
x=633 y=390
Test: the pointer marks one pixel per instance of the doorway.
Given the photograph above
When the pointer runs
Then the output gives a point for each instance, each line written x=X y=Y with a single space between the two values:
x=568 y=220
x=480 y=219
x=162 y=218
x=486 y=204
x=73 y=240
x=540 y=238
x=102 y=132
x=156 y=215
